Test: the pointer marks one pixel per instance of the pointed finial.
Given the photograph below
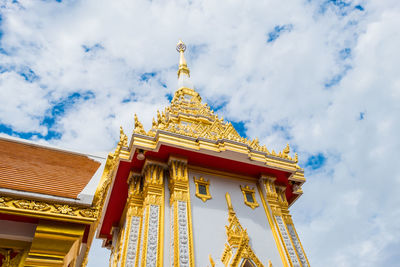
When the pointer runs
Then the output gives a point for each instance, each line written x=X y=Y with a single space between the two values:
x=286 y=150
x=123 y=139
x=138 y=126
x=183 y=68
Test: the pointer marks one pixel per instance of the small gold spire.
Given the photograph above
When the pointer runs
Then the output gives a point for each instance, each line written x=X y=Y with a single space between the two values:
x=183 y=68
x=138 y=126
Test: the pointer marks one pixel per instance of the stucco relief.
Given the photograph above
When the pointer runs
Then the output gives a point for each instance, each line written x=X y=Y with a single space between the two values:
x=183 y=234
x=288 y=243
x=132 y=242
x=142 y=237
x=297 y=245
x=152 y=236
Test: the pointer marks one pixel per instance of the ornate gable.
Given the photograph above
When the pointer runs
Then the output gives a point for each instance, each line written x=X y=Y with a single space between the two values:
x=188 y=116
x=237 y=249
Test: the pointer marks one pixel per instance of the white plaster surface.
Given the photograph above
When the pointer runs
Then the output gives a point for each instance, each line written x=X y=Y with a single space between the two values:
x=17 y=230
x=210 y=217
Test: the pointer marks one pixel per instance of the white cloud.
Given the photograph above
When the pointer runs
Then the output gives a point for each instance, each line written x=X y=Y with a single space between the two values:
x=349 y=213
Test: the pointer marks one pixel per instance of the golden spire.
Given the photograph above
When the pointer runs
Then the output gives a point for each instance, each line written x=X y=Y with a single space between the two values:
x=183 y=68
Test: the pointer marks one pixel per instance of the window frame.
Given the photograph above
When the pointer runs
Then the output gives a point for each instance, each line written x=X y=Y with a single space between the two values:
x=203 y=182
x=247 y=190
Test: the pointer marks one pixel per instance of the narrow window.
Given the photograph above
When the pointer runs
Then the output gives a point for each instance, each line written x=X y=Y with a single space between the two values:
x=249 y=196
x=202 y=188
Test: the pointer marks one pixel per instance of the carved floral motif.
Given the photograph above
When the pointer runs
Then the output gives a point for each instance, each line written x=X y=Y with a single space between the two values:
x=286 y=240
x=152 y=237
x=133 y=241
x=183 y=234
x=50 y=208
x=297 y=245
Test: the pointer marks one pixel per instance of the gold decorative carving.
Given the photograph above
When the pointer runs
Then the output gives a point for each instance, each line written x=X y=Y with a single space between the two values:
x=8 y=261
x=153 y=174
x=179 y=179
x=237 y=248
x=138 y=126
x=51 y=209
x=188 y=116
x=202 y=182
x=249 y=195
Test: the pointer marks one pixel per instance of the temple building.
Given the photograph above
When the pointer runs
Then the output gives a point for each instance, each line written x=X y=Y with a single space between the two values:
x=48 y=213
x=192 y=192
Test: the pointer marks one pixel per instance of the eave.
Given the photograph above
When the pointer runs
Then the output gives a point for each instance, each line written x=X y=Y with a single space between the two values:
x=225 y=156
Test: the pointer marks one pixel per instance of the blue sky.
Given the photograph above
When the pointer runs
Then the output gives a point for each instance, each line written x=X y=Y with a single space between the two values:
x=320 y=75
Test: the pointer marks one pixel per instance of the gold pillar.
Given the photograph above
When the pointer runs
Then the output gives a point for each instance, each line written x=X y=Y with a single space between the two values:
x=282 y=221
x=153 y=214
x=181 y=224
x=133 y=222
x=55 y=244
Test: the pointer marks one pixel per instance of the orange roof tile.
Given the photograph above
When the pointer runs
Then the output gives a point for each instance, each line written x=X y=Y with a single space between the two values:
x=44 y=170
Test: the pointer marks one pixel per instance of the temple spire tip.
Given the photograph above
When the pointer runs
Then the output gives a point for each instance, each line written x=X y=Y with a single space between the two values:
x=183 y=68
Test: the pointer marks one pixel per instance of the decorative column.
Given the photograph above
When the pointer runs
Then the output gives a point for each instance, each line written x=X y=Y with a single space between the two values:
x=151 y=253
x=276 y=200
x=181 y=223
x=287 y=218
x=133 y=222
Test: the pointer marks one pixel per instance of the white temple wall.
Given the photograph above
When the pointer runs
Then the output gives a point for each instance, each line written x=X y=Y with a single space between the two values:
x=210 y=217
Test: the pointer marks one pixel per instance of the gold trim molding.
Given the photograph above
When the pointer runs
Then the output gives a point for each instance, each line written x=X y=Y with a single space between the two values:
x=42 y=209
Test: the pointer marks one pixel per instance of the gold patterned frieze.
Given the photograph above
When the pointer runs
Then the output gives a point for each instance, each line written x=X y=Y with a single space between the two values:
x=42 y=209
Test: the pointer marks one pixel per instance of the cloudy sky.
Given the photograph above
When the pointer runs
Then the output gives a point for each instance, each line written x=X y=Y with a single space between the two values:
x=322 y=75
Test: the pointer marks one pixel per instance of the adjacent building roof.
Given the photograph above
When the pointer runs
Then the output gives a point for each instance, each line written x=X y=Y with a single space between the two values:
x=31 y=167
